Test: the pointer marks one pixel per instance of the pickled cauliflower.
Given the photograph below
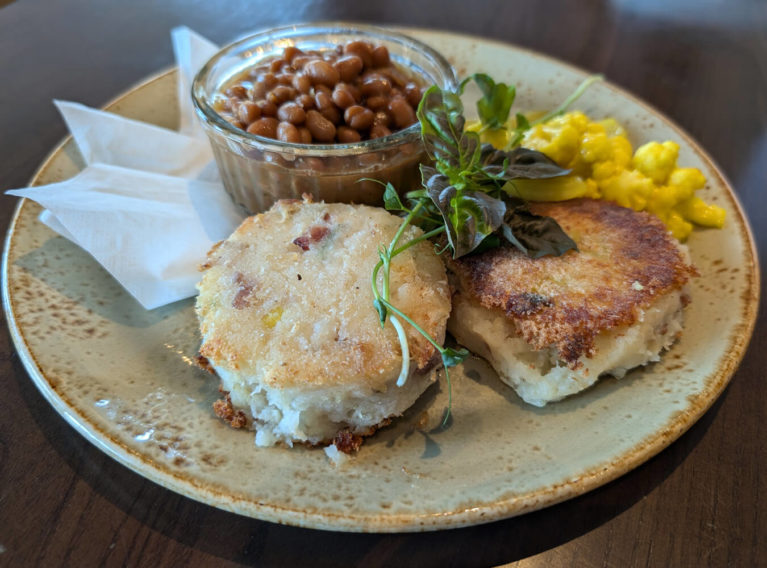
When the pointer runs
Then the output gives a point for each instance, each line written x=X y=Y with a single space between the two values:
x=605 y=166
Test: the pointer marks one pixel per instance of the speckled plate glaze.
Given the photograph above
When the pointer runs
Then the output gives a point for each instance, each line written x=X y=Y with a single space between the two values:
x=123 y=377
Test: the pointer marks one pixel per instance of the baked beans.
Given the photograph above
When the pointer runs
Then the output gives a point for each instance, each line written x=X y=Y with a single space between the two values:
x=343 y=95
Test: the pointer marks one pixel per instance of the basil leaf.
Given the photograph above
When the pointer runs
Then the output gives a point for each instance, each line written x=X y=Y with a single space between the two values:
x=535 y=235
x=452 y=357
x=519 y=163
x=381 y=309
x=418 y=193
x=496 y=101
x=490 y=242
x=469 y=216
x=441 y=116
x=392 y=202
x=522 y=122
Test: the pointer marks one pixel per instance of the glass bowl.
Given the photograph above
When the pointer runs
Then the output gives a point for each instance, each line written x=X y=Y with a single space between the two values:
x=258 y=171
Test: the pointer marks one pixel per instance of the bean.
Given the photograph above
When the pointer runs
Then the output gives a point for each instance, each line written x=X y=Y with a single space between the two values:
x=413 y=94
x=306 y=135
x=285 y=78
x=380 y=56
x=267 y=108
x=238 y=91
x=228 y=103
x=280 y=94
x=321 y=72
x=348 y=67
x=320 y=127
x=361 y=49
x=358 y=117
x=269 y=79
x=305 y=101
x=292 y=113
x=343 y=96
x=381 y=118
x=232 y=120
x=302 y=83
x=276 y=65
x=287 y=132
x=257 y=91
x=264 y=126
x=377 y=102
x=401 y=112
x=248 y=112
x=332 y=114
x=394 y=75
x=300 y=60
x=290 y=53
x=379 y=131
x=323 y=100
x=347 y=135
x=375 y=85
x=355 y=91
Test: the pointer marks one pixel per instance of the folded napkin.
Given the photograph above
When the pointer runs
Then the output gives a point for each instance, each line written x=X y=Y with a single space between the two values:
x=149 y=204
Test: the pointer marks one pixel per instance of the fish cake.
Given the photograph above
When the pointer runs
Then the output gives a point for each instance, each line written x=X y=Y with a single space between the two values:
x=551 y=326
x=287 y=320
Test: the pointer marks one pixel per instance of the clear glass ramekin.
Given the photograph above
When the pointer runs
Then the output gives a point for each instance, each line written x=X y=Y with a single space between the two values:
x=258 y=171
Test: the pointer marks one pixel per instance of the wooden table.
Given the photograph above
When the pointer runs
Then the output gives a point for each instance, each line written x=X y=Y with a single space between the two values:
x=701 y=502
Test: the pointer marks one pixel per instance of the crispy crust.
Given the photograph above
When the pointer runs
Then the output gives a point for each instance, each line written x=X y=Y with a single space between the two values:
x=224 y=409
x=626 y=260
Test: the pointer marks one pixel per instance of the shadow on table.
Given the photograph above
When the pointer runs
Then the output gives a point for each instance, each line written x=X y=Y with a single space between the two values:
x=246 y=541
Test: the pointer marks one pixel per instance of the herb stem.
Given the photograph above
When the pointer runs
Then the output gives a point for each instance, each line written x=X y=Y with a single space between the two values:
x=392 y=253
x=421 y=238
x=405 y=348
x=574 y=96
x=403 y=226
x=415 y=325
x=382 y=298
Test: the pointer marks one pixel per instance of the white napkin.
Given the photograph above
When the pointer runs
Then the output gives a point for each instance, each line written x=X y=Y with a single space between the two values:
x=149 y=204
x=103 y=137
x=192 y=51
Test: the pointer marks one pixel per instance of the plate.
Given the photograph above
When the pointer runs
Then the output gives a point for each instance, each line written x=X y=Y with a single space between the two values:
x=124 y=377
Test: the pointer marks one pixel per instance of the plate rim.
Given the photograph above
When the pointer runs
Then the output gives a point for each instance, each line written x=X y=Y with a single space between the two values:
x=588 y=480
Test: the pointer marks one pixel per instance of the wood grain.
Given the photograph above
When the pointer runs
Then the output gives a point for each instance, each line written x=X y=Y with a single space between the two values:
x=701 y=502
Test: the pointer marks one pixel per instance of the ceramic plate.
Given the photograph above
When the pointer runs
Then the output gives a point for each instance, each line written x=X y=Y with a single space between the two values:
x=123 y=376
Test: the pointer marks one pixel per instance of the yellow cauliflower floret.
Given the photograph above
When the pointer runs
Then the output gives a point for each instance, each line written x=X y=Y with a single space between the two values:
x=680 y=228
x=621 y=151
x=656 y=160
x=698 y=211
x=604 y=170
x=560 y=143
x=662 y=200
x=687 y=181
x=629 y=188
x=596 y=146
x=612 y=127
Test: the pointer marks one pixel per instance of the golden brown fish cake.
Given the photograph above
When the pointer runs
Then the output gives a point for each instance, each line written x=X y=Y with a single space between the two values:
x=300 y=273
x=625 y=261
x=287 y=320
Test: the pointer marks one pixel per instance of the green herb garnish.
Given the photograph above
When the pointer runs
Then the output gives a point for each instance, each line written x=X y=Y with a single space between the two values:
x=466 y=196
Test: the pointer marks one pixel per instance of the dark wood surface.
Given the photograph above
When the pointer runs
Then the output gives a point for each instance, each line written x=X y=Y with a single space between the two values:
x=701 y=502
